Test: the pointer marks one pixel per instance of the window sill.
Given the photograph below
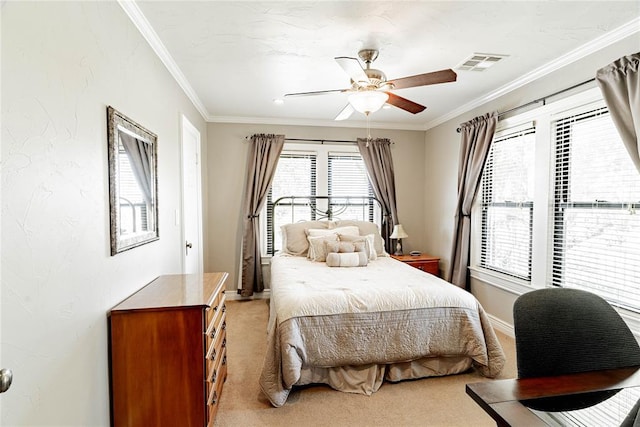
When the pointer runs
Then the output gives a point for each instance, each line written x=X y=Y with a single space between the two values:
x=519 y=287
x=502 y=281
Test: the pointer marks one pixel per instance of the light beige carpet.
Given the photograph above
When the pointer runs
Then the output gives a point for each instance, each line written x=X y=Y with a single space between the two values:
x=426 y=402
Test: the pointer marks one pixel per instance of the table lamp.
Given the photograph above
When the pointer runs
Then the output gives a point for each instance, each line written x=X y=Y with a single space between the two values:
x=398 y=233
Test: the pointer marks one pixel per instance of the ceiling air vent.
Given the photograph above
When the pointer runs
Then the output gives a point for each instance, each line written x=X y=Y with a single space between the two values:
x=480 y=61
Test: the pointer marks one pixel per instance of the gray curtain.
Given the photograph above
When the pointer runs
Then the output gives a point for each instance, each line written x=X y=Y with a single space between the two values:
x=620 y=86
x=376 y=154
x=262 y=160
x=477 y=135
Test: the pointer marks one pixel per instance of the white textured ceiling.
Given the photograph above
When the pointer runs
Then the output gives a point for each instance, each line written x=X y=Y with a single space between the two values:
x=238 y=56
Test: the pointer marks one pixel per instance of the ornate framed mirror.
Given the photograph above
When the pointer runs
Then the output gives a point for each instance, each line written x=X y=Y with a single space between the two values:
x=133 y=183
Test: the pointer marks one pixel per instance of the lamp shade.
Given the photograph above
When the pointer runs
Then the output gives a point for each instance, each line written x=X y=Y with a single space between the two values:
x=368 y=101
x=398 y=232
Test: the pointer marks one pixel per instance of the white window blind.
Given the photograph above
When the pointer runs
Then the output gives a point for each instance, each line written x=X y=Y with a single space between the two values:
x=347 y=177
x=507 y=203
x=596 y=229
x=295 y=176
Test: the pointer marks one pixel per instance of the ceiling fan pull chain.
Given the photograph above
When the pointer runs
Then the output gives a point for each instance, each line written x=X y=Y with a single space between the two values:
x=368 y=130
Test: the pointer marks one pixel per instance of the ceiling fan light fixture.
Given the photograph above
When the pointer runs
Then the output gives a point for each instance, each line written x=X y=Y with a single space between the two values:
x=369 y=101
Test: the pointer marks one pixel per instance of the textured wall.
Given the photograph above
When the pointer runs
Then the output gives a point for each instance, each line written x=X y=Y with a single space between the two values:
x=62 y=64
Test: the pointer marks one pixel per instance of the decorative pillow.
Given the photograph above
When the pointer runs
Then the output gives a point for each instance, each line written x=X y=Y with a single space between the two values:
x=368 y=241
x=365 y=228
x=346 y=247
x=350 y=230
x=353 y=259
x=294 y=236
x=318 y=246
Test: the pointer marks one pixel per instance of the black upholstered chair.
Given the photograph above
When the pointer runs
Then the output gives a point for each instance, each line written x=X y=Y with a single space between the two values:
x=563 y=331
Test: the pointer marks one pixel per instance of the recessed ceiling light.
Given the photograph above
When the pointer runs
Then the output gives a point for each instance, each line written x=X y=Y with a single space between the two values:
x=480 y=61
x=278 y=101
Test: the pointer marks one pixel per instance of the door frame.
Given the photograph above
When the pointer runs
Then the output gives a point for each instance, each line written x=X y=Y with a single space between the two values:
x=187 y=127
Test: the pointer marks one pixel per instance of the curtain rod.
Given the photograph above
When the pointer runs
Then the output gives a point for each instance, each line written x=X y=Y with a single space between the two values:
x=321 y=141
x=543 y=99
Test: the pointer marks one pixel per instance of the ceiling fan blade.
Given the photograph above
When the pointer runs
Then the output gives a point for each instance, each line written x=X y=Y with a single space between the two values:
x=352 y=67
x=442 y=76
x=317 y=92
x=345 y=113
x=405 y=104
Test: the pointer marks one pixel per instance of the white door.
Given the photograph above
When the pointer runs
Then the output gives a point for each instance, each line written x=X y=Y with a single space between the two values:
x=191 y=199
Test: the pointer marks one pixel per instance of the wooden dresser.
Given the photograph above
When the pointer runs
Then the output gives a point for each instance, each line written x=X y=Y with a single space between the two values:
x=167 y=352
x=427 y=263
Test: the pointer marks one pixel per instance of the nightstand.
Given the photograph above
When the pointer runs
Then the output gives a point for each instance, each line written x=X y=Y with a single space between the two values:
x=424 y=262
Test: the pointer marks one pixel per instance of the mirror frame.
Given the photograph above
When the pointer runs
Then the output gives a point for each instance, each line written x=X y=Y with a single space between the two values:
x=118 y=122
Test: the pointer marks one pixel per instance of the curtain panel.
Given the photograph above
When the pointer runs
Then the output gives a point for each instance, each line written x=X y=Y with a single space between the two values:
x=620 y=86
x=477 y=135
x=376 y=154
x=262 y=160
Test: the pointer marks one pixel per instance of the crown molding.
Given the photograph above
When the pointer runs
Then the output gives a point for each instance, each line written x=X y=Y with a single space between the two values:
x=309 y=122
x=140 y=21
x=586 y=49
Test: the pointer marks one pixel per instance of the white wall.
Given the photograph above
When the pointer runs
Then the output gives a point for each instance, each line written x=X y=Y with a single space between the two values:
x=442 y=152
x=62 y=64
x=226 y=164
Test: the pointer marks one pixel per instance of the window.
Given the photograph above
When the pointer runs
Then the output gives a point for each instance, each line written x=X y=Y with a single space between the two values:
x=507 y=203
x=336 y=171
x=585 y=229
x=347 y=176
x=595 y=226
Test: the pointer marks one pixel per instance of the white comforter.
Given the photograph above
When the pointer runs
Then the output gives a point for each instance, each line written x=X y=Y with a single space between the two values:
x=383 y=315
x=300 y=287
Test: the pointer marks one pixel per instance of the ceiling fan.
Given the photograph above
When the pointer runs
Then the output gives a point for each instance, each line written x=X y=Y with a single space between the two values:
x=370 y=89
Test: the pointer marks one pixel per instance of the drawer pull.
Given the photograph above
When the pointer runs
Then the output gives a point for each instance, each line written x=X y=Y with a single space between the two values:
x=212 y=356
x=224 y=342
x=224 y=360
x=213 y=398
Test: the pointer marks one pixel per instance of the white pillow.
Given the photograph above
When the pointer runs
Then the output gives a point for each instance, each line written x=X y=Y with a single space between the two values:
x=348 y=259
x=359 y=245
x=294 y=236
x=368 y=240
x=318 y=246
x=350 y=231
x=365 y=228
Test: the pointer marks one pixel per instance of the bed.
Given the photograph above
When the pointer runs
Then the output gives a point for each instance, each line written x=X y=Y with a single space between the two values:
x=376 y=320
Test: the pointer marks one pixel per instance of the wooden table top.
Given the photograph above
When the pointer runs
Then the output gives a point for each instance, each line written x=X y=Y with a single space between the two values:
x=502 y=399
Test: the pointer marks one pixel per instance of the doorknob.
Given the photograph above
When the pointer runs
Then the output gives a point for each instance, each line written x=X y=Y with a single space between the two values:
x=6 y=376
x=188 y=246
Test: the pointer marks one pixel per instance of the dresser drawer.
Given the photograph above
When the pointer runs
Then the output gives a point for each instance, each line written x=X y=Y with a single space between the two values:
x=217 y=308
x=426 y=266
x=217 y=326
x=218 y=378
x=215 y=351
